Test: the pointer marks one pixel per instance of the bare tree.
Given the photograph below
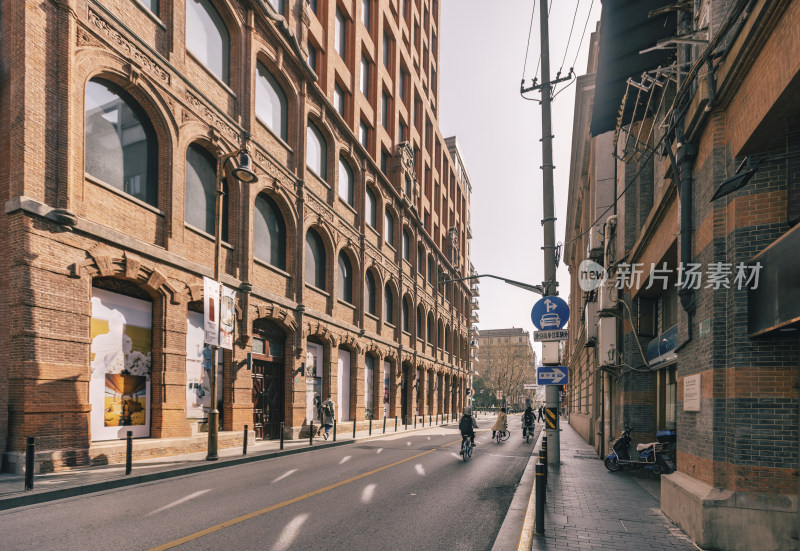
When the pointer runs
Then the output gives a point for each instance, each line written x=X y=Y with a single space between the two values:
x=506 y=367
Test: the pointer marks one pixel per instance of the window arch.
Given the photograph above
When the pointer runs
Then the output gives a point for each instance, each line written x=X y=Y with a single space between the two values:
x=346 y=182
x=406 y=312
x=120 y=143
x=430 y=329
x=269 y=232
x=315 y=260
x=370 y=292
x=208 y=38
x=371 y=208
x=200 y=191
x=272 y=107
x=421 y=260
x=447 y=339
x=420 y=322
x=388 y=305
x=345 y=280
x=406 y=245
x=388 y=228
x=316 y=151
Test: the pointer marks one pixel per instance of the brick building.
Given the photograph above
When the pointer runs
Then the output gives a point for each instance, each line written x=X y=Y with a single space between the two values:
x=113 y=118
x=685 y=187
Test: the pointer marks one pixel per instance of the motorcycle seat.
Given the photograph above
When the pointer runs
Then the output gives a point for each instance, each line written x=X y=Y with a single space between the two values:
x=642 y=447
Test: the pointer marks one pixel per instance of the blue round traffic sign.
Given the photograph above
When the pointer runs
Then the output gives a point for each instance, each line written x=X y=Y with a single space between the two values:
x=550 y=313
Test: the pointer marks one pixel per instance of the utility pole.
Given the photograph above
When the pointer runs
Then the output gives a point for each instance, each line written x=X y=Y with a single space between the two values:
x=548 y=222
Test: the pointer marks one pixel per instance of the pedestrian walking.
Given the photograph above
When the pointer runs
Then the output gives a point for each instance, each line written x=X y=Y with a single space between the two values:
x=328 y=411
x=318 y=410
x=540 y=418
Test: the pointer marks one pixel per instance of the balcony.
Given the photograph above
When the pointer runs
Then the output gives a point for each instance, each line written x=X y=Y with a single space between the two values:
x=474 y=304
x=474 y=317
x=474 y=289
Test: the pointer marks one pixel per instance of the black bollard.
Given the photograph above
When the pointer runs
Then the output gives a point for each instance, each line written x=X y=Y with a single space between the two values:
x=384 y=425
x=423 y=421
x=395 y=423
x=311 y=435
x=415 y=421
x=244 y=441
x=30 y=450
x=281 y=434
x=540 y=496
x=354 y=429
x=370 y=426
x=334 y=430
x=129 y=453
x=429 y=420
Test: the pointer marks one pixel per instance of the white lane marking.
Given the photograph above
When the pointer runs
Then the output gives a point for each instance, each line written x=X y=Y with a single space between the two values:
x=284 y=475
x=379 y=450
x=408 y=443
x=429 y=438
x=366 y=495
x=289 y=533
x=178 y=502
x=457 y=456
x=345 y=459
x=420 y=469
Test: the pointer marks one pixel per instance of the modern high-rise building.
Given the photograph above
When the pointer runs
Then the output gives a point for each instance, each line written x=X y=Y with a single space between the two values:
x=118 y=117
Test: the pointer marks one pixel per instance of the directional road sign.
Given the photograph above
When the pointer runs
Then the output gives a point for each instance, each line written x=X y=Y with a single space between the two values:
x=550 y=313
x=548 y=336
x=552 y=375
x=529 y=386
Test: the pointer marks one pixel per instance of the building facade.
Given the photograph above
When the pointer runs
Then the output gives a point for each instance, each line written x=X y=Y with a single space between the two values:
x=684 y=188
x=114 y=116
x=507 y=361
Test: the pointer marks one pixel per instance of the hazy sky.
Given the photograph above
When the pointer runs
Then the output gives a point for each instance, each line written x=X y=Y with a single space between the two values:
x=483 y=47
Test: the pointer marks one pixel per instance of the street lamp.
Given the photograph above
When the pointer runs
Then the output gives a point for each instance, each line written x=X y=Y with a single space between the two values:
x=243 y=173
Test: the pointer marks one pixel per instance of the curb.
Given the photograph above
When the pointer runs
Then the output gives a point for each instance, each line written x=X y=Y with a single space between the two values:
x=62 y=493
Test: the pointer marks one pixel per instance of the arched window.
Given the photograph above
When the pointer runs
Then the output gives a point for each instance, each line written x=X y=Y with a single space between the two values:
x=369 y=293
x=406 y=310
x=439 y=335
x=269 y=232
x=271 y=104
x=346 y=184
x=316 y=151
x=345 y=283
x=447 y=339
x=388 y=228
x=315 y=260
x=420 y=319
x=208 y=38
x=371 y=209
x=430 y=329
x=388 y=305
x=421 y=260
x=200 y=193
x=406 y=246
x=120 y=143
x=430 y=268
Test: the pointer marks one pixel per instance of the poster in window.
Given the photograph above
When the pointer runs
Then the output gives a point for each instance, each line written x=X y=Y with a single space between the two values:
x=313 y=381
x=121 y=363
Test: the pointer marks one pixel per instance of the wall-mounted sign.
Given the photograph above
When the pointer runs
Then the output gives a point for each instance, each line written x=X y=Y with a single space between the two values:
x=691 y=393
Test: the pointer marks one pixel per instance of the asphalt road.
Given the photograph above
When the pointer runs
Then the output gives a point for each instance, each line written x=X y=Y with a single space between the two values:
x=409 y=491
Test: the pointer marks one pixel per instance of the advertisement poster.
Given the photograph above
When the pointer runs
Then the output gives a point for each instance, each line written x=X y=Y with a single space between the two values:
x=211 y=311
x=227 y=314
x=313 y=380
x=121 y=356
x=387 y=370
x=198 y=372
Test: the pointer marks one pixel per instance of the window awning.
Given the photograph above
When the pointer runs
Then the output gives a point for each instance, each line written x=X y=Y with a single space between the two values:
x=625 y=30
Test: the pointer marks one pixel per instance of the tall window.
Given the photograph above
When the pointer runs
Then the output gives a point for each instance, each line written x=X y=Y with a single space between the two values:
x=200 y=193
x=402 y=84
x=420 y=260
x=208 y=38
x=338 y=99
x=388 y=305
x=371 y=209
x=346 y=185
x=269 y=233
x=271 y=104
x=340 y=33
x=420 y=318
x=278 y=5
x=407 y=181
x=316 y=151
x=406 y=246
x=385 y=109
x=345 y=283
x=314 y=4
x=365 y=76
x=386 y=52
x=151 y=5
x=363 y=134
x=384 y=161
x=405 y=312
x=369 y=293
x=312 y=56
x=315 y=260
x=388 y=228
x=365 y=12
x=120 y=143
x=430 y=268
x=430 y=329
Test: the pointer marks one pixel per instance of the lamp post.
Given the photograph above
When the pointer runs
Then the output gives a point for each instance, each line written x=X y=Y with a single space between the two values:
x=243 y=173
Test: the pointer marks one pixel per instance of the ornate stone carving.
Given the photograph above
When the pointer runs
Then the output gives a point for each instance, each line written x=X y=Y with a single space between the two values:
x=211 y=117
x=316 y=207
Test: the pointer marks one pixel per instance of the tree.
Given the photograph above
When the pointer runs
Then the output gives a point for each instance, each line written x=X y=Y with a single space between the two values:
x=505 y=368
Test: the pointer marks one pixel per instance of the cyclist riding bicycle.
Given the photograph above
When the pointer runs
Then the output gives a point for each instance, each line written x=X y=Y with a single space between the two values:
x=527 y=420
x=467 y=426
x=502 y=422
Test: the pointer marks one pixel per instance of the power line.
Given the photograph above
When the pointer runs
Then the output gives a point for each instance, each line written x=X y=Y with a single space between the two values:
x=578 y=51
x=530 y=29
x=569 y=38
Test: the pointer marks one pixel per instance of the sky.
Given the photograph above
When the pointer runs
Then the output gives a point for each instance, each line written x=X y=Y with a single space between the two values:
x=482 y=55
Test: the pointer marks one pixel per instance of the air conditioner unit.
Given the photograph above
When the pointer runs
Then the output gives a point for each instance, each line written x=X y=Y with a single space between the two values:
x=607 y=339
x=590 y=319
x=595 y=246
x=608 y=296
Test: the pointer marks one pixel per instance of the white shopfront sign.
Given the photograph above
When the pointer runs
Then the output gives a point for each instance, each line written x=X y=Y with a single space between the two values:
x=691 y=393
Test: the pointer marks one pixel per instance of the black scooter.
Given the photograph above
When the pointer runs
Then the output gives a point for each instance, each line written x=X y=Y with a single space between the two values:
x=654 y=457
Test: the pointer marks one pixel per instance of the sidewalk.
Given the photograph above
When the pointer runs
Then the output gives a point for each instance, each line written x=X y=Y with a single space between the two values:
x=589 y=507
x=84 y=480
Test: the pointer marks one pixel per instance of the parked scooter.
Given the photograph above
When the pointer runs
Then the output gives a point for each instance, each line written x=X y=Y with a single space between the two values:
x=654 y=457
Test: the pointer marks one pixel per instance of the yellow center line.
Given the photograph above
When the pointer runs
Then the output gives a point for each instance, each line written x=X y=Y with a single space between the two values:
x=254 y=514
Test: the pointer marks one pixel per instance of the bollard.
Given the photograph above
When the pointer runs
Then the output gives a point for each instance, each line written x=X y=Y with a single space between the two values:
x=129 y=453
x=281 y=434
x=423 y=421
x=543 y=460
x=354 y=429
x=384 y=425
x=395 y=423
x=370 y=426
x=244 y=441
x=334 y=430
x=429 y=420
x=311 y=435
x=540 y=497
x=30 y=449
x=415 y=421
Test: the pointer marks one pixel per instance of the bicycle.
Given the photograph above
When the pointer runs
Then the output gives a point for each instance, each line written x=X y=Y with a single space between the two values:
x=527 y=432
x=502 y=435
x=466 y=448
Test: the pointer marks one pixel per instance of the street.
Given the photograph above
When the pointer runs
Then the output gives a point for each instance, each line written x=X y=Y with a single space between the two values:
x=409 y=491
